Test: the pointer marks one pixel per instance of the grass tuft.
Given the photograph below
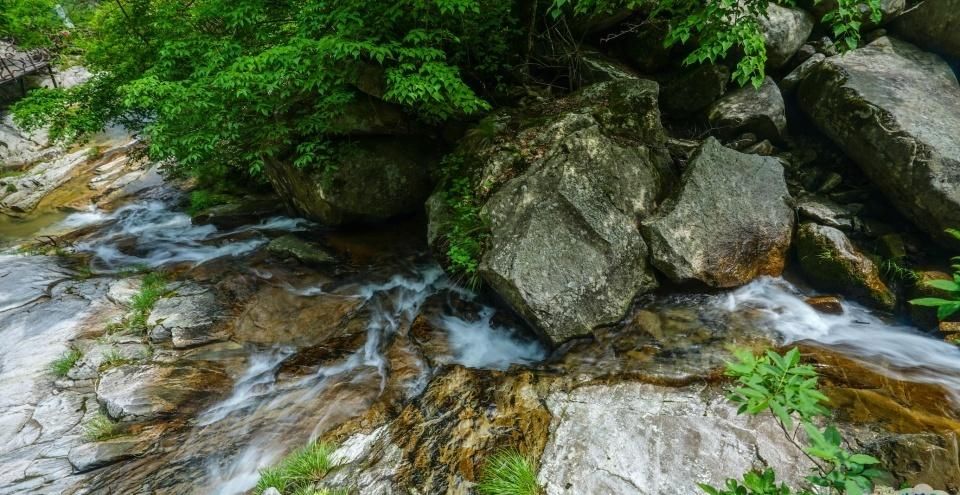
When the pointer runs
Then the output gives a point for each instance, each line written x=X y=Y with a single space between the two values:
x=509 y=473
x=65 y=363
x=299 y=471
x=152 y=289
x=112 y=359
x=102 y=428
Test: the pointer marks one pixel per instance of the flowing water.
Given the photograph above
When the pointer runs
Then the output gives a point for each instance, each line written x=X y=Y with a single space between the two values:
x=311 y=347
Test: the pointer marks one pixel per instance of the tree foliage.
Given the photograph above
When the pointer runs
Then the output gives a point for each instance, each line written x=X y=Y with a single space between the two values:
x=232 y=83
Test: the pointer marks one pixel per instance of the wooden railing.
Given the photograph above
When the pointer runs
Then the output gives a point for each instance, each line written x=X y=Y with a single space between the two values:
x=15 y=64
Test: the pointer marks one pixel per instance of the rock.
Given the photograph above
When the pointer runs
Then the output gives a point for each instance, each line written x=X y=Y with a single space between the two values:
x=723 y=195
x=122 y=291
x=694 y=90
x=564 y=249
x=596 y=67
x=748 y=109
x=932 y=25
x=189 y=316
x=931 y=458
x=148 y=392
x=291 y=246
x=763 y=148
x=876 y=104
x=374 y=179
x=271 y=491
x=790 y=82
x=830 y=305
x=644 y=48
x=889 y=10
x=825 y=212
x=237 y=214
x=784 y=31
x=635 y=438
x=23 y=193
x=831 y=262
x=276 y=316
x=92 y=455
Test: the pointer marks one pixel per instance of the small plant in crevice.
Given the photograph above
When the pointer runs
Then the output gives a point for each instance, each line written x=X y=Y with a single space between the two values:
x=509 y=473
x=948 y=305
x=152 y=288
x=101 y=428
x=780 y=385
x=466 y=231
x=62 y=365
x=113 y=359
x=894 y=269
x=300 y=471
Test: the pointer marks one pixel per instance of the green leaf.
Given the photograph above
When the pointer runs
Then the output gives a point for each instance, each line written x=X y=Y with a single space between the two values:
x=864 y=459
x=946 y=285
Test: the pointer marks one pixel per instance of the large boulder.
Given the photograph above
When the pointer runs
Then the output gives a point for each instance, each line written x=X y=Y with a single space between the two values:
x=895 y=110
x=832 y=263
x=374 y=178
x=760 y=111
x=728 y=222
x=564 y=248
x=784 y=31
x=932 y=24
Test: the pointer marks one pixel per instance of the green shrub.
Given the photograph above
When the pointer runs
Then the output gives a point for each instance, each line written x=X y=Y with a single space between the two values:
x=299 y=471
x=509 y=473
x=946 y=307
x=779 y=384
x=65 y=363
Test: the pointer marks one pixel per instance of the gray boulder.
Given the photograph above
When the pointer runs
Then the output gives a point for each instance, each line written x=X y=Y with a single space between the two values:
x=932 y=25
x=564 y=250
x=784 y=31
x=790 y=82
x=375 y=178
x=187 y=317
x=748 y=109
x=832 y=263
x=728 y=222
x=291 y=246
x=895 y=110
x=889 y=10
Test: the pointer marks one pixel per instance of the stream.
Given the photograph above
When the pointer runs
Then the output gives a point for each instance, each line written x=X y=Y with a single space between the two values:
x=297 y=350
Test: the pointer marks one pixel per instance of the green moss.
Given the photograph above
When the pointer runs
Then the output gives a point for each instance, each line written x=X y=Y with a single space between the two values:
x=299 y=471
x=509 y=473
x=65 y=363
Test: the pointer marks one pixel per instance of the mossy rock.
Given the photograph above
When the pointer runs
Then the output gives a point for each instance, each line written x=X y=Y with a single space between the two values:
x=291 y=246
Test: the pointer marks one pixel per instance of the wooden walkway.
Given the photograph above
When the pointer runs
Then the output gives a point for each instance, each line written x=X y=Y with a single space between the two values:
x=16 y=64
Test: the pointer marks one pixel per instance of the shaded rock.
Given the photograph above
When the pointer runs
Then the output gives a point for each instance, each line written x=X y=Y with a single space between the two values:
x=564 y=249
x=932 y=25
x=877 y=104
x=790 y=82
x=611 y=439
x=644 y=48
x=237 y=214
x=291 y=246
x=374 y=179
x=748 y=109
x=931 y=458
x=596 y=68
x=694 y=90
x=188 y=316
x=727 y=223
x=889 y=10
x=784 y=30
x=147 y=392
x=825 y=212
x=831 y=262
x=830 y=305
x=763 y=148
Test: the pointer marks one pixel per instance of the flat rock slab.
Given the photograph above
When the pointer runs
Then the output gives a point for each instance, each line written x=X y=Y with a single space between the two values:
x=635 y=438
x=895 y=110
x=146 y=392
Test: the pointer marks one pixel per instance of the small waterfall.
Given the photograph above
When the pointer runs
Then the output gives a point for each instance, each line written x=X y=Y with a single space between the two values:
x=898 y=351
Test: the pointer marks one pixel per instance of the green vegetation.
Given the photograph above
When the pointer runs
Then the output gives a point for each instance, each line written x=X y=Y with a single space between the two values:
x=717 y=26
x=112 y=359
x=152 y=288
x=201 y=199
x=949 y=305
x=299 y=471
x=466 y=231
x=787 y=389
x=65 y=363
x=101 y=428
x=509 y=473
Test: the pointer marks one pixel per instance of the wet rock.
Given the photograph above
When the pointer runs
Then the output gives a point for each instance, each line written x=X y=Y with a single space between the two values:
x=19 y=149
x=694 y=90
x=291 y=246
x=92 y=455
x=189 y=316
x=790 y=82
x=831 y=262
x=723 y=195
x=23 y=193
x=237 y=214
x=564 y=249
x=375 y=179
x=784 y=31
x=276 y=316
x=748 y=109
x=610 y=439
x=930 y=458
x=830 y=305
x=148 y=392
x=932 y=25
x=877 y=104
x=97 y=354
